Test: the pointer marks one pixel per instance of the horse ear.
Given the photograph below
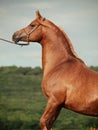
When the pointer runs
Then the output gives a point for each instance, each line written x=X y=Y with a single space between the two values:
x=38 y=15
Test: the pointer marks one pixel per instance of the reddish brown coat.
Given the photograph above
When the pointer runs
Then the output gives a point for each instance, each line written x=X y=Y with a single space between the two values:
x=67 y=81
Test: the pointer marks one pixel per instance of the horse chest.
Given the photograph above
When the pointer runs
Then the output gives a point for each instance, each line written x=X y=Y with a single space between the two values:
x=54 y=87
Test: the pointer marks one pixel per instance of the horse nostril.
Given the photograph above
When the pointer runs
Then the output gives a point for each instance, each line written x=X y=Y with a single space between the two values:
x=15 y=37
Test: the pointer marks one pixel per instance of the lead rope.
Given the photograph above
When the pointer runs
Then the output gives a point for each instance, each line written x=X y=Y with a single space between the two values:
x=21 y=44
x=6 y=40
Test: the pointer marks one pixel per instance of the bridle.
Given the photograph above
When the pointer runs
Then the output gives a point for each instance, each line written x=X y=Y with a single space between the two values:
x=29 y=33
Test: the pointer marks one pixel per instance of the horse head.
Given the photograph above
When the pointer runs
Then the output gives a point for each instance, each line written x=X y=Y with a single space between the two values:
x=32 y=32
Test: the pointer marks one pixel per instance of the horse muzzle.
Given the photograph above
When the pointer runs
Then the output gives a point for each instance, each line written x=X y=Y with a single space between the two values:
x=18 y=37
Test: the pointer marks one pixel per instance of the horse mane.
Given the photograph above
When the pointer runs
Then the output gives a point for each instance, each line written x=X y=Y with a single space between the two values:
x=71 y=46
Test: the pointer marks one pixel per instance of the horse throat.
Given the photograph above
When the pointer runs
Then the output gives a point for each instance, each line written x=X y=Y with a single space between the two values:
x=53 y=54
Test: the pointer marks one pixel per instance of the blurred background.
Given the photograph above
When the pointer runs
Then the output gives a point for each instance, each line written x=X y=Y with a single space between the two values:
x=21 y=99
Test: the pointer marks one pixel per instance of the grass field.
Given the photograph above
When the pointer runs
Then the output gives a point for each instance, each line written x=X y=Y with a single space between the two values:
x=22 y=102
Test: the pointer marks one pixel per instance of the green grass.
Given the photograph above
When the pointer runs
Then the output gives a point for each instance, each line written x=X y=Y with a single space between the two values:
x=22 y=102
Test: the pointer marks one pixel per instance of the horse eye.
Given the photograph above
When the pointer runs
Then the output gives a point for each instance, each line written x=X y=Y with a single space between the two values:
x=32 y=25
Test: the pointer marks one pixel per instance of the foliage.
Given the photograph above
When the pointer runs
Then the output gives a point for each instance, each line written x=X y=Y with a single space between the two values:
x=22 y=102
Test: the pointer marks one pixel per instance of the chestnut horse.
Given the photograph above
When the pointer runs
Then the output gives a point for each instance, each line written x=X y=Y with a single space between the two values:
x=67 y=81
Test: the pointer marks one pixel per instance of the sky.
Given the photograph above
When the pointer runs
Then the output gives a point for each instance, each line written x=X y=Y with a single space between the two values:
x=78 y=18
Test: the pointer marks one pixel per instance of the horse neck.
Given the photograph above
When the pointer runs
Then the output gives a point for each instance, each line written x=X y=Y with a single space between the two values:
x=54 y=52
x=56 y=48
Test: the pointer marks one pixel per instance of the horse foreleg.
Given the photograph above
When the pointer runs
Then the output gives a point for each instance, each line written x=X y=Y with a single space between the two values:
x=51 y=112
